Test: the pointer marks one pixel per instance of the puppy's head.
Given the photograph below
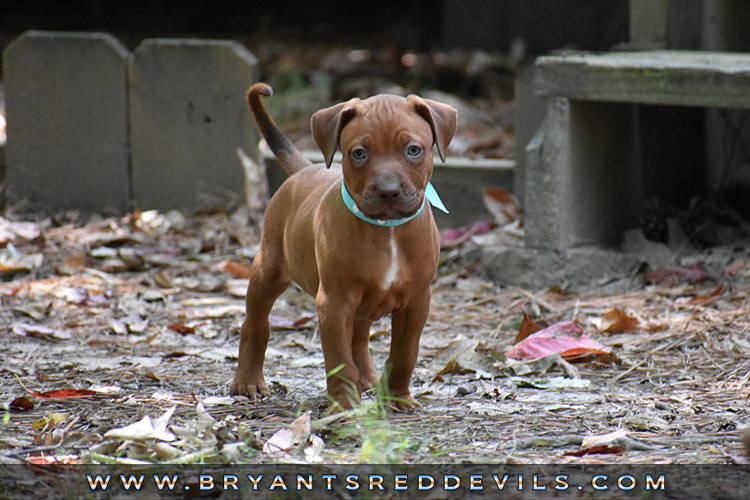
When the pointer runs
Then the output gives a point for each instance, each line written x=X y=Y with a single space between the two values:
x=386 y=143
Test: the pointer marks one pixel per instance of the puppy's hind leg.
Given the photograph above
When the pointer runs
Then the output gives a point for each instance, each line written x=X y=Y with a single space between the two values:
x=267 y=282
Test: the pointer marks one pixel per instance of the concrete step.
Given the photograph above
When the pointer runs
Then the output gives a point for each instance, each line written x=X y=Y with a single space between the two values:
x=670 y=77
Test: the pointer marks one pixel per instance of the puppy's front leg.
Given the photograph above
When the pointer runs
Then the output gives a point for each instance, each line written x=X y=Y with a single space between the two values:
x=336 y=323
x=406 y=326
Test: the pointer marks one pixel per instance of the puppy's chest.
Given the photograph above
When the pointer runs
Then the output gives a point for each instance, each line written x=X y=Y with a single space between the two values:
x=394 y=275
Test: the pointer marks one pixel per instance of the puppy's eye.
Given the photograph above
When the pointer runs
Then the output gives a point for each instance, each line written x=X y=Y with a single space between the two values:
x=359 y=155
x=413 y=150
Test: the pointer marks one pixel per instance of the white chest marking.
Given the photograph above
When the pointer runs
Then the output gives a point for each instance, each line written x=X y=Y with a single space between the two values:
x=392 y=272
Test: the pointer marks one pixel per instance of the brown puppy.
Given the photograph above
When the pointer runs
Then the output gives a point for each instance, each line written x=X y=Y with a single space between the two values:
x=357 y=270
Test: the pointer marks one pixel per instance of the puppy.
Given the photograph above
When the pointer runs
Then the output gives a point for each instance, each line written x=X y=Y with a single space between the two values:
x=356 y=236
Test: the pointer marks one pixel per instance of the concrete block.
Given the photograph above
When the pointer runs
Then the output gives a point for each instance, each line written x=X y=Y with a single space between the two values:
x=710 y=79
x=583 y=183
x=531 y=110
x=66 y=105
x=188 y=116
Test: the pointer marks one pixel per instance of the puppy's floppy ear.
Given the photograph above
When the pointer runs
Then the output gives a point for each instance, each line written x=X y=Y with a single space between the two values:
x=443 y=120
x=326 y=126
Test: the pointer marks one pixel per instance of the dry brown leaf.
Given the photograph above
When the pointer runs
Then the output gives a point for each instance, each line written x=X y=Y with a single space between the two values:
x=528 y=326
x=617 y=321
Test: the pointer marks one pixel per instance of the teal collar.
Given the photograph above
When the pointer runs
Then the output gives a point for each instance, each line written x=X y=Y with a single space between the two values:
x=429 y=194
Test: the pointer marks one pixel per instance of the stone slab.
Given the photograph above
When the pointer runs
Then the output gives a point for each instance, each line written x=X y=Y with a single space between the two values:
x=581 y=270
x=708 y=79
x=66 y=105
x=188 y=116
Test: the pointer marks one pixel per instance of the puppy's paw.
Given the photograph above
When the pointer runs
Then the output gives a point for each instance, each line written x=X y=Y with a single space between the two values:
x=253 y=390
x=402 y=403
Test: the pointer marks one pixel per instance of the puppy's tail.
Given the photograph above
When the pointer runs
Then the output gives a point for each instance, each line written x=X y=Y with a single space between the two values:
x=289 y=156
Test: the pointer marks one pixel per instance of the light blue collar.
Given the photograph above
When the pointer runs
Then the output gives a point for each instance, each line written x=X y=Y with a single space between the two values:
x=429 y=194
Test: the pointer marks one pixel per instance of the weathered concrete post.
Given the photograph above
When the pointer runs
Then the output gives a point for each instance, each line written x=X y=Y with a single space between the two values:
x=66 y=105
x=188 y=116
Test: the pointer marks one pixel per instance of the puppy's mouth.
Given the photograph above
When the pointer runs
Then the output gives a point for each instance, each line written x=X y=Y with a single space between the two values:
x=404 y=207
x=393 y=214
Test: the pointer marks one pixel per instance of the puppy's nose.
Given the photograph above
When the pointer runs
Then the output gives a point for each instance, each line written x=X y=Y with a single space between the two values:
x=389 y=192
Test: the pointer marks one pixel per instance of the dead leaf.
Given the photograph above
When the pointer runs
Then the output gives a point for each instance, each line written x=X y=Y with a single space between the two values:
x=64 y=393
x=604 y=449
x=617 y=321
x=288 y=324
x=145 y=429
x=677 y=274
x=503 y=206
x=181 y=328
x=50 y=421
x=21 y=404
x=12 y=231
x=73 y=263
x=705 y=300
x=40 y=331
x=590 y=441
x=285 y=440
x=558 y=338
x=240 y=270
x=528 y=326
x=454 y=237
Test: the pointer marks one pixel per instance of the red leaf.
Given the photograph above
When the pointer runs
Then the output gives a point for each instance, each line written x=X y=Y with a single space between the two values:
x=676 y=274
x=558 y=338
x=64 y=393
x=603 y=449
x=454 y=237
x=704 y=300
x=21 y=404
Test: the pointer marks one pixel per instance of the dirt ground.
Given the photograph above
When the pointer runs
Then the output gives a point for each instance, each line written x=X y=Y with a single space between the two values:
x=142 y=314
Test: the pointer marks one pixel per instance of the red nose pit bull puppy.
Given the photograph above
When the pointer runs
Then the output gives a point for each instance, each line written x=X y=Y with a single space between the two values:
x=355 y=236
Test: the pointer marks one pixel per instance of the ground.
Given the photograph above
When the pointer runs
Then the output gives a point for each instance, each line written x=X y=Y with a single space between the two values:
x=144 y=311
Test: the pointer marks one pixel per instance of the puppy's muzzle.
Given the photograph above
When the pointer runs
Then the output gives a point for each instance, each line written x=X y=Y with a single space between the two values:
x=390 y=197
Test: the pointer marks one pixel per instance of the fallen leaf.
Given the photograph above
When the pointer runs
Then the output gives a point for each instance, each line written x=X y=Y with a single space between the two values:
x=285 y=440
x=590 y=441
x=64 y=393
x=50 y=421
x=21 y=404
x=558 y=339
x=528 y=326
x=677 y=274
x=54 y=460
x=218 y=400
x=145 y=429
x=73 y=263
x=12 y=231
x=617 y=321
x=705 y=300
x=604 y=449
x=181 y=328
x=454 y=237
x=239 y=270
x=288 y=324
x=465 y=356
x=503 y=206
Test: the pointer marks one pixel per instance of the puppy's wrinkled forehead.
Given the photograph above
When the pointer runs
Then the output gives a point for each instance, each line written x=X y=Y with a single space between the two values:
x=390 y=115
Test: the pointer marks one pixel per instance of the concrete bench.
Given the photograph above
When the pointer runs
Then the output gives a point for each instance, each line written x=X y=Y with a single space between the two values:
x=595 y=159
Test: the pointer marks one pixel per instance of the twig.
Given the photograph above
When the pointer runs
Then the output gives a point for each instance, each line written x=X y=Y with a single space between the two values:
x=626 y=372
